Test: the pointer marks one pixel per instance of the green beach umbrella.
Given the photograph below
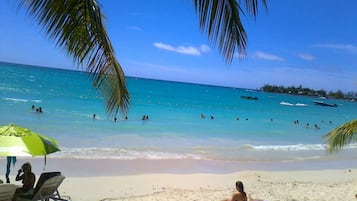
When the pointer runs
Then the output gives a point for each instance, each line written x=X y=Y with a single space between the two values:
x=19 y=141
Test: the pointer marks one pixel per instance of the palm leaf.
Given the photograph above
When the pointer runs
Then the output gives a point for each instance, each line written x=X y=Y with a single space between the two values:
x=220 y=19
x=77 y=26
x=342 y=135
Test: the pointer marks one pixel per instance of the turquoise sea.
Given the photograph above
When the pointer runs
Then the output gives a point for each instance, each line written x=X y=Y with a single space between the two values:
x=265 y=130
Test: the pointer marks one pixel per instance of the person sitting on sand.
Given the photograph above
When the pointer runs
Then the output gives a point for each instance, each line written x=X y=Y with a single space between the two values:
x=27 y=177
x=240 y=195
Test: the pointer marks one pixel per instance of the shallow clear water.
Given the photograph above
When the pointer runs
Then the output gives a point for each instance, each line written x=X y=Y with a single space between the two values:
x=264 y=131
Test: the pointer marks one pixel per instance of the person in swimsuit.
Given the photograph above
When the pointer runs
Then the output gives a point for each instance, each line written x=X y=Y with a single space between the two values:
x=27 y=177
x=240 y=195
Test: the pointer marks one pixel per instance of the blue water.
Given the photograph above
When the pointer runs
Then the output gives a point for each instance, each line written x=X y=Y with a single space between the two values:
x=264 y=132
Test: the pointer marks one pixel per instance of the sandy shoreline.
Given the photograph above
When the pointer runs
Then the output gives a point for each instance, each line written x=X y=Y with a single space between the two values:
x=94 y=180
x=111 y=167
x=265 y=185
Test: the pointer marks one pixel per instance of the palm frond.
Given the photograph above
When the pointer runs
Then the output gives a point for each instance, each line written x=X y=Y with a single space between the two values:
x=220 y=19
x=342 y=135
x=77 y=26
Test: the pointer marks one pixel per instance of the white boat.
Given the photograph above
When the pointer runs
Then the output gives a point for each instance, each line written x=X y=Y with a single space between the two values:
x=301 y=104
x=286 y=103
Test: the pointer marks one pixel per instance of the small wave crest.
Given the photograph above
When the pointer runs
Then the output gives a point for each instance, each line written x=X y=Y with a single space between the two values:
x=294 y=147
x=247 y=153
x=22 y=100
x=297 y=147
x=118 y=153
x=250 y=147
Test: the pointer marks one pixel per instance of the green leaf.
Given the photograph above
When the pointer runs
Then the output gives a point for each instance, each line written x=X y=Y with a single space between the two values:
x=77 y=26
x=220 y=20
x=342 y=135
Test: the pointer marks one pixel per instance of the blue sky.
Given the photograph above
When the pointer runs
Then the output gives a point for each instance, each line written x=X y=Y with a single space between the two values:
x=294 y=42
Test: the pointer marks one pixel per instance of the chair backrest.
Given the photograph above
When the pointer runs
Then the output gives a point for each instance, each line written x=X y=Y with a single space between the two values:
x=7 y=191
x=48 y=188
x=43 y=177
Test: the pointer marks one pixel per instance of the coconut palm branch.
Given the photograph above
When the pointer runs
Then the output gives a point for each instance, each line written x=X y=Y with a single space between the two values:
x=77 y=26
x=342 y=135
x=220 y=20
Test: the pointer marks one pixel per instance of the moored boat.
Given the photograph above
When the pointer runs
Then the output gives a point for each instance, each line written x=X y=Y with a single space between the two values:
x=324 y=104
x=249 y=97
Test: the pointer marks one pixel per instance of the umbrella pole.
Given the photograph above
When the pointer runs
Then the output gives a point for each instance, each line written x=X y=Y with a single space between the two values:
x=44 y=167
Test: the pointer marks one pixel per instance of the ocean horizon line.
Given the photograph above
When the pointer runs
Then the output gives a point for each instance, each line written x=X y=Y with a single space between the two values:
x=133 y=77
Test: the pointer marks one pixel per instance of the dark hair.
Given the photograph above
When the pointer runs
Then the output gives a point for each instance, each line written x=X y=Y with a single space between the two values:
x=26 y=166
x=239 y=186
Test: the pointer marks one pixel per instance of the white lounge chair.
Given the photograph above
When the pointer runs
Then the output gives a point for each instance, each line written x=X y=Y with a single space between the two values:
x=7 y=191
x=48 y=190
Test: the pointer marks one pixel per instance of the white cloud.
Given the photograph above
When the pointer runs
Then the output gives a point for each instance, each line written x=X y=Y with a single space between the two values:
x=205 y=48
x=346 y=47
x=189 y=50
x=135 y=28
x=307 y=57
x=266 y=56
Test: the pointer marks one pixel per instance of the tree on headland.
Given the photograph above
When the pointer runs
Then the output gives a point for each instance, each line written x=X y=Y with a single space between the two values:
x=338 y=94
x=78 y=27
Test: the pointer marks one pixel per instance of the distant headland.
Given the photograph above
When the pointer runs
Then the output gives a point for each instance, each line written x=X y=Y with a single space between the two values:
x=352 y=96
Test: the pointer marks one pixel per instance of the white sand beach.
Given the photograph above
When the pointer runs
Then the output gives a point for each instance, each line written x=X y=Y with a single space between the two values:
x=311 y=185
x=282 y=185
